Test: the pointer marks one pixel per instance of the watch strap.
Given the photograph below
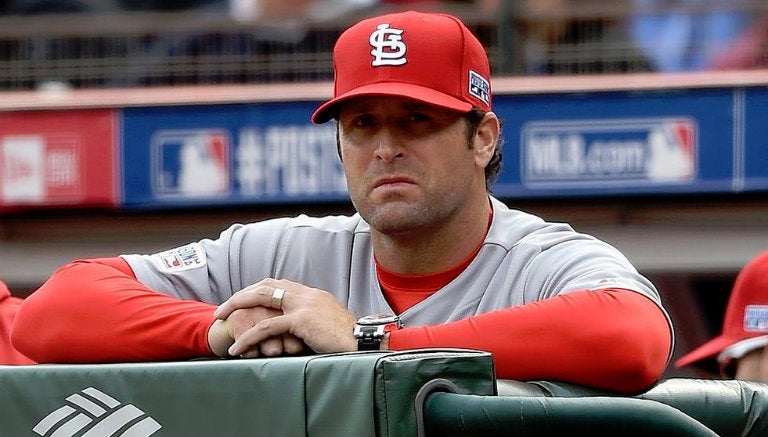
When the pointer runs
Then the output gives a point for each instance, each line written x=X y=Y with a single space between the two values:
x=369 y=341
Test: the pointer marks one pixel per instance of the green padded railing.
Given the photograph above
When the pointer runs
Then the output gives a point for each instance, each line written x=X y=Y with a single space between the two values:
x=340 y=395
x=674 y=407
x=425 y=393
x=452 y=414
x=730 y=408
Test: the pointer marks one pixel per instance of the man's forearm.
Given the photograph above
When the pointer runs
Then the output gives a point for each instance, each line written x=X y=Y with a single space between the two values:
x=612 y=339
x=93 y=312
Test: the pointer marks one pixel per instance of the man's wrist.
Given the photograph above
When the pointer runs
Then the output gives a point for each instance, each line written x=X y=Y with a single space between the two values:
x=219 y=339
x=385 y=342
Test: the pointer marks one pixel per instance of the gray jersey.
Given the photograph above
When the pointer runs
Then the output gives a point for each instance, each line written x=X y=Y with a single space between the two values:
x=523 y=259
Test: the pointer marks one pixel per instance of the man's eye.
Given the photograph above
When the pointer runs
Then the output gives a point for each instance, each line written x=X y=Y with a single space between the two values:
x=417 y=117
x=364 y=121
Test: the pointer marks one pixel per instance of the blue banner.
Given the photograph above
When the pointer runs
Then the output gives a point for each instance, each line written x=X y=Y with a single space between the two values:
x=750 y=143
x=228 y=154
x=704 y=140
x=614 y=143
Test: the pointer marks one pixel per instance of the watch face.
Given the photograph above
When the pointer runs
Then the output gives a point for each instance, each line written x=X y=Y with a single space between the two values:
x=378 y=319
x=370 y=330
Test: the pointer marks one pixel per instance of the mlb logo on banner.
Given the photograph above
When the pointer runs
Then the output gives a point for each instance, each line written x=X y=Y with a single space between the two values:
x=191 y=163
x=40 y=168
x=643 y=151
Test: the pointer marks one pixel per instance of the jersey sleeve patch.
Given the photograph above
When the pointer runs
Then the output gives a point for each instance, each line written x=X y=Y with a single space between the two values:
x=190 y=256
x=614 y=283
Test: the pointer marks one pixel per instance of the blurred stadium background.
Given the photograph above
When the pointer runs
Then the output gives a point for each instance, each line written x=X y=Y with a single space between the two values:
x=127 y=53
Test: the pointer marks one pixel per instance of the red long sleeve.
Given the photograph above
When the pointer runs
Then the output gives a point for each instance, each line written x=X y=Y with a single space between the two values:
x=612 y=339
x=9 y=306
x=96 y=311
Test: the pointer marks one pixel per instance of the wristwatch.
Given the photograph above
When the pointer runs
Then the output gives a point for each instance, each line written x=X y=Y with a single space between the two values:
x=369 y=330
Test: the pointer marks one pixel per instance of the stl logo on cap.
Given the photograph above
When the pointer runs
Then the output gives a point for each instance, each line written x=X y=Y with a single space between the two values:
x=388 y=46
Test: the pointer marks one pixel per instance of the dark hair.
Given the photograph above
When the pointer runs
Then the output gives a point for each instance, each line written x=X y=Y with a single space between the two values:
x=473 y=119
x=492 y=170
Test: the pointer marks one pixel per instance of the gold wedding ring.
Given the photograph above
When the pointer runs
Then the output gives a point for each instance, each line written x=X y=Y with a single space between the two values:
x=277 y=298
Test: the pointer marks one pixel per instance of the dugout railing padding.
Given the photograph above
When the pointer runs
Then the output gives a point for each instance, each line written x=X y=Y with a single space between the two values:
x=431 y=392
x=673 y=407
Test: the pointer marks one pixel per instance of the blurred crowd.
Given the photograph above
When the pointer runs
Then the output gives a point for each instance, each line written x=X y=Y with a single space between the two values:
x=257 y=41
x=240 y=9
x=644 y=35
x=655 y=35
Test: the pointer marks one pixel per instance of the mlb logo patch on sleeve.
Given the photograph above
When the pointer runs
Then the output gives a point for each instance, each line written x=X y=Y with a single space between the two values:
x=190 y=256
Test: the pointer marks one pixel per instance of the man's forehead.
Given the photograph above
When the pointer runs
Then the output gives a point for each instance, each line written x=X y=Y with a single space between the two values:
x=367 y=103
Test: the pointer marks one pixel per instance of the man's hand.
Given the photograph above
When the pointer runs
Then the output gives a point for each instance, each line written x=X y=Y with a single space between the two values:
x=311 y=315
x=222 y=333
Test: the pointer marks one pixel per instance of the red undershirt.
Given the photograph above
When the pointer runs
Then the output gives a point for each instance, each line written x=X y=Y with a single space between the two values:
x=405 y=291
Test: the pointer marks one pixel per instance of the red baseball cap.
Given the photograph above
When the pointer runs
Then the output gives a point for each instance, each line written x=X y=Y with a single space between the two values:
x=428 y=57
x=746 y=315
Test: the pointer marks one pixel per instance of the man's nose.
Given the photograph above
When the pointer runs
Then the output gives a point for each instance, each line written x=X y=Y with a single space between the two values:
x=389 y=146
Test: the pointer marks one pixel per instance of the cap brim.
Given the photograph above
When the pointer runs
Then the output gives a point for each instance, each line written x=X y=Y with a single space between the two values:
x=705 y=351
x=329 y=109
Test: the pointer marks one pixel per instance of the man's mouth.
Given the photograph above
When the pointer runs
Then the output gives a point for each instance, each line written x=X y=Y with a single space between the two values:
x=393 y=182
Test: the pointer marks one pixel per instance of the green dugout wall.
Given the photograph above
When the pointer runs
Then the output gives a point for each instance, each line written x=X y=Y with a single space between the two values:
x=340 y=395
x=429 y=392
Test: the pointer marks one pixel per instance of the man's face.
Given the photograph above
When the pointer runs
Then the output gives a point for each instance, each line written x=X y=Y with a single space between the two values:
x=409 y=165
x=753 y=366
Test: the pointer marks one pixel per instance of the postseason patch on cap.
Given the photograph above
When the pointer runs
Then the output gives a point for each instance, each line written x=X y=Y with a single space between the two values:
x=756 y=318
x=479 y=87
x=190 y=256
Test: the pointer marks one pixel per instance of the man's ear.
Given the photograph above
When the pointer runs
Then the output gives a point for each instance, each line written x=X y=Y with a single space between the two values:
x=338 y=140
x=485 y=139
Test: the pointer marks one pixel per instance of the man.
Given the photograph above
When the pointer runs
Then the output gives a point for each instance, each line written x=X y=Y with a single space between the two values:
x=9 y=305
x=420 y=148
x=740 y=349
